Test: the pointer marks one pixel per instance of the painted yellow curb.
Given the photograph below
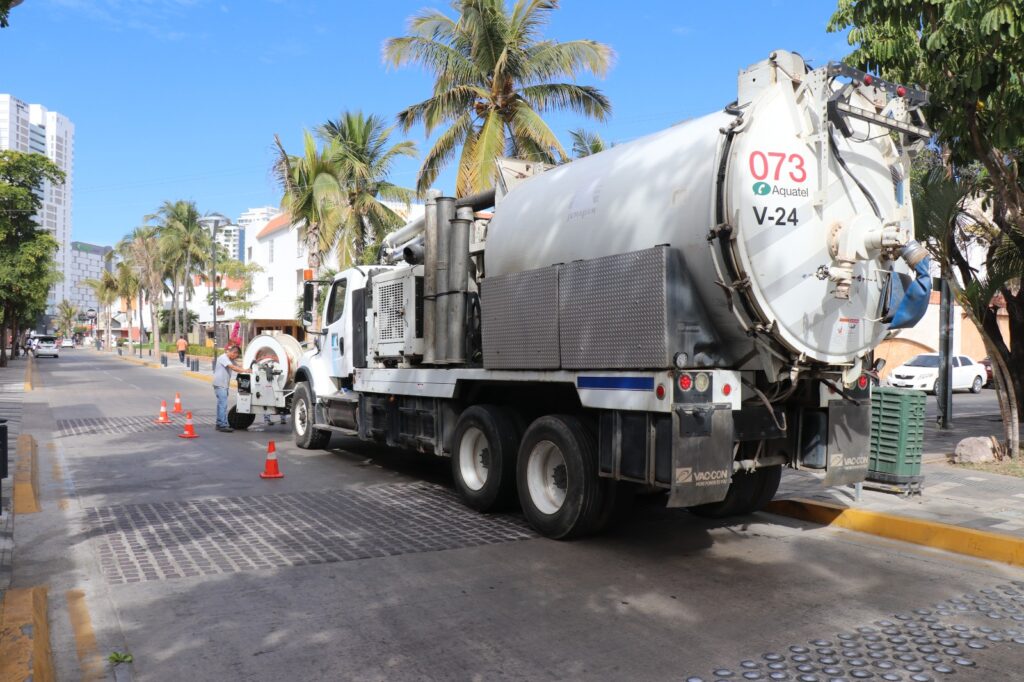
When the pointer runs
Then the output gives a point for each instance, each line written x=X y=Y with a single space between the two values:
x=85 y=637
x=30 y=369
x=957 y=539
x=26 y=475
x=25 y=637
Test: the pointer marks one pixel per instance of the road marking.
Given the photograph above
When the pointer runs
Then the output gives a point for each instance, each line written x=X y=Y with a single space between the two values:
x=25 y=637
x=85 y=637
x=968 y=541
x=30 y=367
x=26 y=476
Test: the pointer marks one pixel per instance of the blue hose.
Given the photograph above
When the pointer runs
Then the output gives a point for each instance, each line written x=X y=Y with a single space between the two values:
x=914 y=304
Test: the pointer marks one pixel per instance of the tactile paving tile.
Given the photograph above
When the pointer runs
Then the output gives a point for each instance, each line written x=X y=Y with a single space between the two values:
x=87 y=426
x=229 y=534
x=923 y=645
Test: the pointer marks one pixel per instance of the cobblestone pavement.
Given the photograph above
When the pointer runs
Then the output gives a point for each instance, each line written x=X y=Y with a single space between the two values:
x=917 y=645
x=225 y=535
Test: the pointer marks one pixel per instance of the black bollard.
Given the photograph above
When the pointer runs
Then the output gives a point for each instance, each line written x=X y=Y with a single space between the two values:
x=3 y=458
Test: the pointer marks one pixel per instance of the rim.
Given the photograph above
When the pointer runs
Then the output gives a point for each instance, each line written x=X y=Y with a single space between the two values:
x=546 y=477
x=977 y=384
x=301 y=417
x=474 y=458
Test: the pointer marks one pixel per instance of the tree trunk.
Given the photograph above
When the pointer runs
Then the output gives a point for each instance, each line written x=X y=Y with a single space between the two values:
x=15 y=334
x=1015 y=312
x=154 y=308
x=184 y=294
x=3 y=336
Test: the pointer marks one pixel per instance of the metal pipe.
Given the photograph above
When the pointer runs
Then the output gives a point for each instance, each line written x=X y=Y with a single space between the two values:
x=404 y=233
x=429 y=274
x=458 y=284
x=478 y=201
x=445 y=212
x=412 y=253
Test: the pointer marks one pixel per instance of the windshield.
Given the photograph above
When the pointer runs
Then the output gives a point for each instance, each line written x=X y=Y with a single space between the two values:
x=46 y=339
x=924 y=361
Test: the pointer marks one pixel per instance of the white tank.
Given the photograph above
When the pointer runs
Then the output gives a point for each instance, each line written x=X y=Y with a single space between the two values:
x=278 y=352
x=797 y=221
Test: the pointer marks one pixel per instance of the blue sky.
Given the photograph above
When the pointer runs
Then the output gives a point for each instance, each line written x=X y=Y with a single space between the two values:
x=180 y=99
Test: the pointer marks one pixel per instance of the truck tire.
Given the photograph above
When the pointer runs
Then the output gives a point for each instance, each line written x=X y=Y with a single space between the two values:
x=239 y=421
x=307 y=436
x=559 y=489
x=484 y=448
x=748 y=493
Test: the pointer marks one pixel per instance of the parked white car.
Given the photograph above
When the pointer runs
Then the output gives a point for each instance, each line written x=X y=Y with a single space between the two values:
x=67 y=343
x=922 y=372
x=46 y=346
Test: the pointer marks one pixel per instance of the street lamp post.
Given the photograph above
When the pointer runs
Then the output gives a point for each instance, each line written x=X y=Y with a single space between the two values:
x=213 y=286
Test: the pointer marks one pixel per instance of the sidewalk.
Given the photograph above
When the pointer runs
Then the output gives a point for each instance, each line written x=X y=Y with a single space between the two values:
x=961 y=510
x=12 y=394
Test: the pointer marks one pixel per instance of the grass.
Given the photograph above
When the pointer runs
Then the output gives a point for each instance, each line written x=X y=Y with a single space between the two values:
x=1006 y=467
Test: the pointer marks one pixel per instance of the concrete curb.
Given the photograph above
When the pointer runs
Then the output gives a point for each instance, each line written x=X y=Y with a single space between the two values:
x=25 y=652
x=957 y=539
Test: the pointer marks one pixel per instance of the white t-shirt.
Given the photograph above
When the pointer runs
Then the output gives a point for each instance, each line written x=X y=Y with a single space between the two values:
x=222 y=371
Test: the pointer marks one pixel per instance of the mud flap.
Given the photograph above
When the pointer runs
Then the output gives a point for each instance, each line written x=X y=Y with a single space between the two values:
x=849 y=442
x=702 y=454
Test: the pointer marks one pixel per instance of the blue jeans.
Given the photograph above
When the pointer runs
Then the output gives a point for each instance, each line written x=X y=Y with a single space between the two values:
x=222 y=405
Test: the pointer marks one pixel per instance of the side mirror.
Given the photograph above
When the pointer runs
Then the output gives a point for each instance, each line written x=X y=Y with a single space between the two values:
x=307 y=303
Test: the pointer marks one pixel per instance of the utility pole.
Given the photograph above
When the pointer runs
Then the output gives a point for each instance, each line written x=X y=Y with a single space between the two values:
x=944 y=391
x=213 y=287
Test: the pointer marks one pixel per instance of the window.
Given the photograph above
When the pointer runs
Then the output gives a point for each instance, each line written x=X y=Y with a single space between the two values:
x=270 y=251
x=337 y=304
x=270 y=283
x=956 y=362
x=964 y=361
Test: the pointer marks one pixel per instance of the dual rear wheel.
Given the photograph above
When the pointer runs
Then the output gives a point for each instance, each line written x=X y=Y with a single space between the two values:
x=552 y=469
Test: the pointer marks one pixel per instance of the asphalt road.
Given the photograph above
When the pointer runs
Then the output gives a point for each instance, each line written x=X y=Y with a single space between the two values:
x=966 y=404
x=360 y=565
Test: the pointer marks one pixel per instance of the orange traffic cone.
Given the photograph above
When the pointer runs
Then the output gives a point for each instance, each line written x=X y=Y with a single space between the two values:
x=164 y=418
x=177 y=404
x=270 y=469
x=190 y=431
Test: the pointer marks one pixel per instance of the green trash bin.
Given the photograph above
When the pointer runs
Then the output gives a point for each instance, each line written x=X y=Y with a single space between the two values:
x=897 y=435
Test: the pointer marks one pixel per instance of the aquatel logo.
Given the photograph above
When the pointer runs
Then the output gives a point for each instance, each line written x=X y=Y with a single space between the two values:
x=763 y=189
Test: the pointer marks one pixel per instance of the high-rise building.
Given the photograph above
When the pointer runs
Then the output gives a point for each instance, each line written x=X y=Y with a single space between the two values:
x=32 y=128
x=87 y=261
x=228 y=234
x=253 y=216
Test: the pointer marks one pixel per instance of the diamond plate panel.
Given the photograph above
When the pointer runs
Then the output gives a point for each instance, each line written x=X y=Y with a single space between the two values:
x=613 y=311
x=520 y=320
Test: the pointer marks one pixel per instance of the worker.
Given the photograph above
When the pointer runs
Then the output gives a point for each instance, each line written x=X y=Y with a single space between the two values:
x=182 y=347
x=222 y=370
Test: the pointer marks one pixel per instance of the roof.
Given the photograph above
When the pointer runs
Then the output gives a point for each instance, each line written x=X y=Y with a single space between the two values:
x=282 y=221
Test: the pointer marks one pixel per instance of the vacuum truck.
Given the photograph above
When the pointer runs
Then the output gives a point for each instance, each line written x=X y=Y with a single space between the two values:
x=689 y=312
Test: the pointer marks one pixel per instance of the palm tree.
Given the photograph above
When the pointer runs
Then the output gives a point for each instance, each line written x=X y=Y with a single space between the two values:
x=312 y=193
x=66 y=315
x=185 y=247
x=141 y=250
x=494 y=77
x=106 y=290
x=942 y=217
x=127 y=287
x=586 y=143
x=359 y=148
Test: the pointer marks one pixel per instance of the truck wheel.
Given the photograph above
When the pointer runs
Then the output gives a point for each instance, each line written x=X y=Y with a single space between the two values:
x=748 y=493
x=484 y=449
x=559 y=489
x=307 y=436
x=239 y=421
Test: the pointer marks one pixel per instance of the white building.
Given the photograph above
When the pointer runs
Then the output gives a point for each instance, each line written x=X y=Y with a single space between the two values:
x=85 y=261
x=31 y=128
x=276 y=247
x=262 y=215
